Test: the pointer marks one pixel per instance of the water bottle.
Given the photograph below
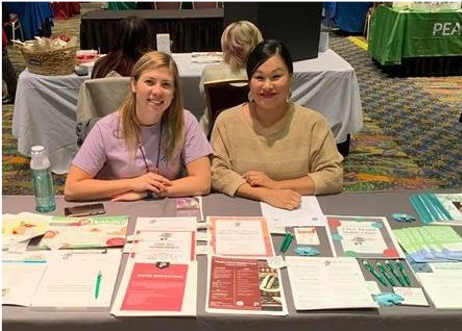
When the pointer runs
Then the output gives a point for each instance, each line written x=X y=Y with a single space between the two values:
x=41 y=180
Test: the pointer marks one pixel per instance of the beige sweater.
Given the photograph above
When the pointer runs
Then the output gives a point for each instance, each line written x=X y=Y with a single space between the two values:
x=300 y=144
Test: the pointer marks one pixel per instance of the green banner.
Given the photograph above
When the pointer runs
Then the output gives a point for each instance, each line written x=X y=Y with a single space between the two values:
x=396 y=34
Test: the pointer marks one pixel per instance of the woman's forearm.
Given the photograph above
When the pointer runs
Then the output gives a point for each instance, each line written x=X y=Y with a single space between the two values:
x=96 y=189
x=304 y=185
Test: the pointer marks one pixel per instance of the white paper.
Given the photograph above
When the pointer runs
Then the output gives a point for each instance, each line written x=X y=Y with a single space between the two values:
x=20 y=280
x=241 y=236
x=165 y=246
x=163 y=42
x=413 y=296
x=327 y=283
x=306 y=236
x=308 y=214
x=165 y=224
x=444 y=284
x=71 y=280
x=444 y=292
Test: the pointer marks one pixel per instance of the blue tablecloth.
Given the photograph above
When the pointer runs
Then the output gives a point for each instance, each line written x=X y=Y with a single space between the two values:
x=32 y=15
x=347 y=16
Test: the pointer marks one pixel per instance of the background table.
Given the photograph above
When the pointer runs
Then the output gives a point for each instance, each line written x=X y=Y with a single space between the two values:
x=45 y=108
x=384 y=319
x=422 y=42
x=190 y=30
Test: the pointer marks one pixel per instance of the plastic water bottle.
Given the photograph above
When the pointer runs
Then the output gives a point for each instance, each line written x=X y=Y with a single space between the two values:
x=41 y=180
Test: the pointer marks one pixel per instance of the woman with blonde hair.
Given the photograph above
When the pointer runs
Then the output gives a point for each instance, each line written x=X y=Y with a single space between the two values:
x=140 y=150
x=237 y=42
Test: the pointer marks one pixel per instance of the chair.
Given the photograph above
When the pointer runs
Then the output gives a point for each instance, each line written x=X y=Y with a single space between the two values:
x=205 y=5
x=101 y=96
x=224 y=94
x=167 y=5
x=15 y=24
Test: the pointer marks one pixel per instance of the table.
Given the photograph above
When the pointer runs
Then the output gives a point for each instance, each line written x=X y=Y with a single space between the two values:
x=389 y=318
x=432 y=40
x=44 y=112
x=190 y=30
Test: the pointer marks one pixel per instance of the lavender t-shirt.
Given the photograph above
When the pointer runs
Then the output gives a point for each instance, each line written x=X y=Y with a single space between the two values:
x=104 y=154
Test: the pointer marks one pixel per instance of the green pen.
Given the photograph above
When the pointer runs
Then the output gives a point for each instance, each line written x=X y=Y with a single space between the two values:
x=393 y=271
x=372 y=271
x=401 y=269
x=98 y=284
x=286 y=243
x=385 y=273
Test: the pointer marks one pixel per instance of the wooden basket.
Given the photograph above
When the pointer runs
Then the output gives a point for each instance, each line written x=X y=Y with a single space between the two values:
x=51 y=62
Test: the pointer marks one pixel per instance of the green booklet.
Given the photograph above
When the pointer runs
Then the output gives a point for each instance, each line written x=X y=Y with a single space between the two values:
x=85 y=232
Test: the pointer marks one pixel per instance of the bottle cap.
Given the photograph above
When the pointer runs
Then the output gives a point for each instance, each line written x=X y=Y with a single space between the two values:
x=38 y=148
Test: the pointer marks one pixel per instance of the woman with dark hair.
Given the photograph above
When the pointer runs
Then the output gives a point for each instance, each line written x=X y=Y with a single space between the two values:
x=271 y=149
x=132 y=41
x=141 y=149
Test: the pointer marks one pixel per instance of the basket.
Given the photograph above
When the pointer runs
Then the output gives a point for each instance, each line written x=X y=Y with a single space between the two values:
x=51 y=62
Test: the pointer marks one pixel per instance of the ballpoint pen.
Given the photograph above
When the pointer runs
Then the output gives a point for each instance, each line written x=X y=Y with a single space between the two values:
x=393 y=271
x=385 y=273
x=286 y=242
x=98 y=284
x=373 y=272
x=401 y=269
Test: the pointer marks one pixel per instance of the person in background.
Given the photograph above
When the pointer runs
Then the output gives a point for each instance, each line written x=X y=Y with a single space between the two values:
x=237 y=41
x=141 y=149
x=132 y=41
x=271 y=149
x=9 y=75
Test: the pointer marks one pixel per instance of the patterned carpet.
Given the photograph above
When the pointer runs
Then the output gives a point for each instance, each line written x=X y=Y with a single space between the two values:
x=421 y=114
x=410 y=140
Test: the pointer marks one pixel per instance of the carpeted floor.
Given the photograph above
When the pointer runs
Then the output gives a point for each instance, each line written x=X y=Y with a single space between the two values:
x=410 y=140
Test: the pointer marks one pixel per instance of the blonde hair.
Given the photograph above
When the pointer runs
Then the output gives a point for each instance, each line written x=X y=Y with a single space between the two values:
x=172 y=119
x=237 y=42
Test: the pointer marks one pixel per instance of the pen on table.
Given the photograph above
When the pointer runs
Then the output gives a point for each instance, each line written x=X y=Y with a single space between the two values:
x=373 y=272
x=385 y=273
x=393 y=271
x=286 y=242
x=401 y=269
x=98 y=284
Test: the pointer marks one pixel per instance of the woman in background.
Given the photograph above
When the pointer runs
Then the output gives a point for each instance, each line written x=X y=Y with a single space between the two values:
x=237 y=41
x=132 y=41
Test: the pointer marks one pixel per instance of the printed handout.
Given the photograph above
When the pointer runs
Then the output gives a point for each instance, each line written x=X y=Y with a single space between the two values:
x=157 y=289
x=363 y=237
x=244 y=286
x=78 y=281
x=240 y=236
x=327 y=283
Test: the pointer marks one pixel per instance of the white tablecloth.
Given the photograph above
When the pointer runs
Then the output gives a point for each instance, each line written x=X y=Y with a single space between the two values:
x=45 y=108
